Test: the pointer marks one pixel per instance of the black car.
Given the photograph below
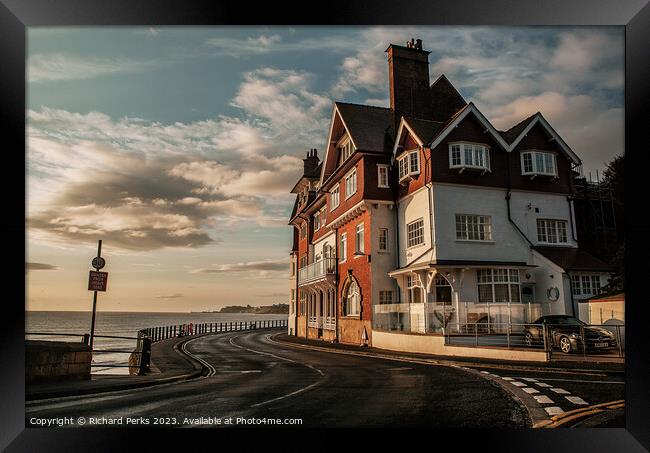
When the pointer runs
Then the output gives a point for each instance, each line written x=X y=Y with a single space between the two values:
x=565 y=332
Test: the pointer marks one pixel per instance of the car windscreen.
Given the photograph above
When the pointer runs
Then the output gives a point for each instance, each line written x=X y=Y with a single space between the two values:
x=566 y=321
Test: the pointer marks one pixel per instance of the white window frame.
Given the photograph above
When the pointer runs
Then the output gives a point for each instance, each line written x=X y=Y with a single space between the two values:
x=349 y=177
x=346 y=148
x=343 y=245
x=359 y=247
x=317 y=221
x=556 y=229
x=499 y=277
x=410 y=240
x=356 y=307
x=406 y=164
x=534 y=163
x=581 y=281
x=382 y=168
x=382 y=240
x=483 y=227
x=335 y=196
x=477 y=151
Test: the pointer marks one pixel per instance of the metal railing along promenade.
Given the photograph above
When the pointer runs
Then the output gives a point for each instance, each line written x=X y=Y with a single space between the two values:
x=141 y=355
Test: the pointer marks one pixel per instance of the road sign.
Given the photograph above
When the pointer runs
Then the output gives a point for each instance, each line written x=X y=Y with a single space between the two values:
x=97 y=281
x=98 y=262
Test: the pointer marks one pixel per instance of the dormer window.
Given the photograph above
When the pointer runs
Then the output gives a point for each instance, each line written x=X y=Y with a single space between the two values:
x=469 y=156
x=408 y=165
x=346 y=148
x=535 y=163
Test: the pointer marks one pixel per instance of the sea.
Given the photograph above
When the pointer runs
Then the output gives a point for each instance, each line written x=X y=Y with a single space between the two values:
x=122 y=324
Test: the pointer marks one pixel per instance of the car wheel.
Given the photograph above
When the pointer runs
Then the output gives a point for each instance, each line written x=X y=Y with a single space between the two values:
x=528 y=339
x=565 y=345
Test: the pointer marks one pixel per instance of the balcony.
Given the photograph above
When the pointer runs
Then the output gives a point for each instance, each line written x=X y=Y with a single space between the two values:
x=316 y=271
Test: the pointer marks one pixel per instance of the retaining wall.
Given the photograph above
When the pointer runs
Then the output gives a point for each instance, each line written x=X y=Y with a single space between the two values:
x=56 y=361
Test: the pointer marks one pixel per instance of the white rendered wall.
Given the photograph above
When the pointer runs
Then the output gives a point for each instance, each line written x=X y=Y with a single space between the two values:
x=381 y=216
x=411 y=208
x=449 y=200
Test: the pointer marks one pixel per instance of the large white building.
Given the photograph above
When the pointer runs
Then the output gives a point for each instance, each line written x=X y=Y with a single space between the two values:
x=426 y=219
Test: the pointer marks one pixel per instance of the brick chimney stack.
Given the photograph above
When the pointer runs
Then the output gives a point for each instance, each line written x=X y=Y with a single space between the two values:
x=311 y=162
x=408 y=72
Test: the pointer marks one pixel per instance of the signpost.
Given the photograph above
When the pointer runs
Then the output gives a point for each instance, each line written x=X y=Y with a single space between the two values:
x=96 y=282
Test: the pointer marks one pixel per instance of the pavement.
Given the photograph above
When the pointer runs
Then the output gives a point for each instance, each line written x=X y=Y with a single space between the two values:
x=592 y=365
x=169 y=364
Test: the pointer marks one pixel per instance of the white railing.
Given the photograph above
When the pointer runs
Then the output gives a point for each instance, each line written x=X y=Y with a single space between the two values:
x=317 y=270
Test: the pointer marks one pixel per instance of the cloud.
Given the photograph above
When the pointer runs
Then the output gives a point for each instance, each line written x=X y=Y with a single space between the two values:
x=283 y=99
x=40 y=267
x=274 y=43
x=279 y=265
x=170 y=296
x=60 y=66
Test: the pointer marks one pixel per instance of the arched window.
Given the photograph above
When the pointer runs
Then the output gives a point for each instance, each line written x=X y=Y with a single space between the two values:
x=352 y=299
x=443 y=290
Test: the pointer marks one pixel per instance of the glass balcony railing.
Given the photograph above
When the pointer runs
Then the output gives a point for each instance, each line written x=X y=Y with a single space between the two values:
x=317 y=270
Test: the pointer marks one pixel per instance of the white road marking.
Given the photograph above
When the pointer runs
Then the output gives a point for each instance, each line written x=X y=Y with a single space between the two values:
x=560 y=391
x=495 y=375
x=529 y=390
x=577 y=400
x=518 y=384
x=507 y=379
x=304 y=389
x=542 y=384
x=553 y=410
x=211 y=370
x=529 y=379
x=585 y=381
x=543 y=399
x=241 y=372
x=485 y=372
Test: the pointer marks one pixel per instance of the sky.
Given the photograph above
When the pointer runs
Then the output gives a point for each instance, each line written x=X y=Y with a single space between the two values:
x=177 y=146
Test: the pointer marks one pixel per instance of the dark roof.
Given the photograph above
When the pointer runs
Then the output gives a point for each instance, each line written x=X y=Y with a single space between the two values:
x=511 y=134
x=445 y=99
x=294 y=211
x=573 y=259
x=371 y=127
x=424 y=129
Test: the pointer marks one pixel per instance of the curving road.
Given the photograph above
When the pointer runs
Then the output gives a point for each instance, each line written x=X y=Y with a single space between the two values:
x=252 y=376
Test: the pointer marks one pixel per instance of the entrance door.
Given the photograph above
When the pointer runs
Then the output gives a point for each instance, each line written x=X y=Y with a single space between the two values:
x=439 y=309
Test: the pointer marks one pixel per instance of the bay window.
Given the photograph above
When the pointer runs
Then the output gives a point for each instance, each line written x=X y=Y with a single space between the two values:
x=408 y=165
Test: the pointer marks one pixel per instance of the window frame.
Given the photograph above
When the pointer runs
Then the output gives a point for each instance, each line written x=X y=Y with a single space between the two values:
x=336 y=190
x=534 y=171
x=345 y=145
x=462 y=156
x=504 y=277
x=408 y=238
x=556 y=230
x=383 y=167
x=359 y=245
x=349 y=176
x=404 y=162
x=577 y=287
x=386 y=300
x=383 y=231
x=357 y=304
x=343 y=246
x=490 y=229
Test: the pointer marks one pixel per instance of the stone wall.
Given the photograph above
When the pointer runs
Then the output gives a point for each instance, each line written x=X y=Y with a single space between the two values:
x=56 y=361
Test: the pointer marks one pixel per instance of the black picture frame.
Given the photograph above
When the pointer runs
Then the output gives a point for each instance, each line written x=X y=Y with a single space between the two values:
x=16 y=15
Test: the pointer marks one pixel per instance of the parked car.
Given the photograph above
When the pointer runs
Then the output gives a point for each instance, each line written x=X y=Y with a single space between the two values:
x=565 y=333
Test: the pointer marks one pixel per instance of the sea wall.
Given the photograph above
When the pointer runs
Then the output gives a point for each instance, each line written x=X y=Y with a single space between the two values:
x=56 y=361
